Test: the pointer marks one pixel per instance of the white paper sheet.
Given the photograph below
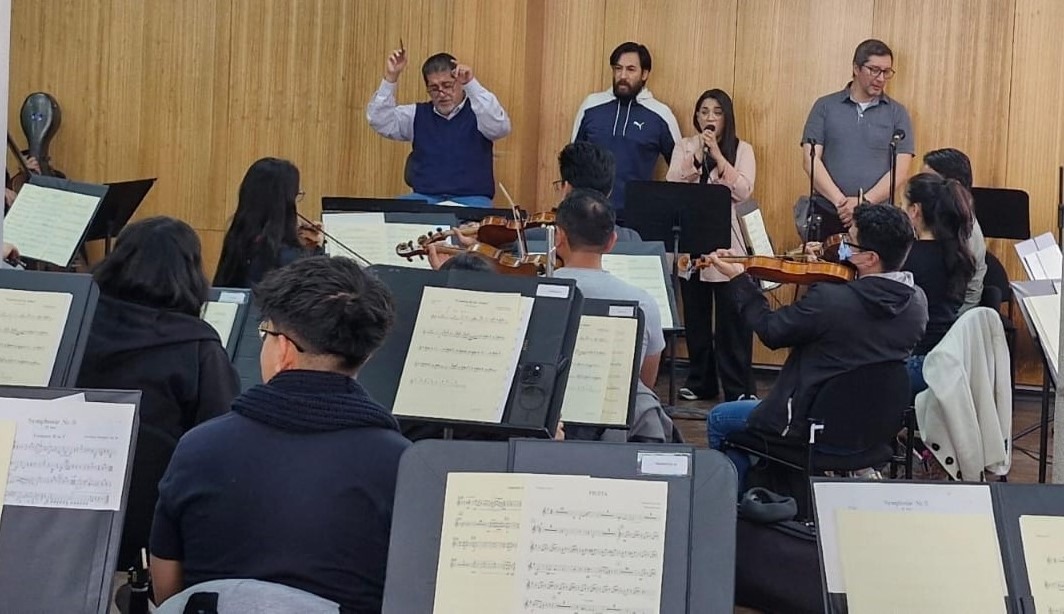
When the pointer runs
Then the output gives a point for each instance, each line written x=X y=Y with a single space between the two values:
x=221 y=316
x=68 y=454
x=31 y=328
x=463 y=354
x=643 y=271
x=600 y=377
x=48 y=224
x=1045 y=313
x=931 y=498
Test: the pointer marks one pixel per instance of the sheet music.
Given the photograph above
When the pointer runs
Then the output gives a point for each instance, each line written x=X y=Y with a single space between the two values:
x=549 y=544
x=221 y=316
x=31 y=327
x=600 y=377
x=7 y=445
x=1043 y=553
x=372 y=237
x=949 y=499
x=1045 y=311
x=463 y=354
x=68 y=454
x=1050 y=260
x=598 y=549
x=643 y=271
x=48 y=224
x=958 y=569
x=757 y=239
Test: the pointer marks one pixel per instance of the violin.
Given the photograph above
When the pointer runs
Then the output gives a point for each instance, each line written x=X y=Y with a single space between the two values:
x=493 y=230
x=780 y=269
x=504 y=262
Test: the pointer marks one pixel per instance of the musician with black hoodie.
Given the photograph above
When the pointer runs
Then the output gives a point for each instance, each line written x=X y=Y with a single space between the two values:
x=147 y=335
x=833 y=329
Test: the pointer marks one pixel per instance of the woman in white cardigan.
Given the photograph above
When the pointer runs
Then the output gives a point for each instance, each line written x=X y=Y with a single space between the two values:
x=715 y=155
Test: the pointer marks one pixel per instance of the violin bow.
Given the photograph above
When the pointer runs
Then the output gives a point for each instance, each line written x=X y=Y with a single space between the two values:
x=522 y=244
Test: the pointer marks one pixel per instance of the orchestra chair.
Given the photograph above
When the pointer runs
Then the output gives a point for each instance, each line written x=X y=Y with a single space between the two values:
x=861 y=410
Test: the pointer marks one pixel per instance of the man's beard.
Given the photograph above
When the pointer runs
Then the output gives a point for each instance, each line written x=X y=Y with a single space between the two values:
x=630 y=93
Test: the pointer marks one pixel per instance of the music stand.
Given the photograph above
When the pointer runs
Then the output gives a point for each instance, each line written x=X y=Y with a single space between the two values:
x=337 y=204
x=1003 y=213
x=116 y=208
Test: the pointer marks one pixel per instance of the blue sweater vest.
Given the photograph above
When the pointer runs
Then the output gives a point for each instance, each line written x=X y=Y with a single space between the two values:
x=451 y=156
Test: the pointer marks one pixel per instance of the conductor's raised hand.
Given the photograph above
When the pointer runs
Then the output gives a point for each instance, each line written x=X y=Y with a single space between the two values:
x=462 y=72
x=394 y=64
x=731 y=270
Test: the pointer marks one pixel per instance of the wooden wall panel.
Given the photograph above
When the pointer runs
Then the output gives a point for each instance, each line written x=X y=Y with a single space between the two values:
x=788 y=55
x=573 y=66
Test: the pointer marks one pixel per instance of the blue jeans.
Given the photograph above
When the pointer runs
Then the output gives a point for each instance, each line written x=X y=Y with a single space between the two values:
x=725 y=419
x=482 y=202
x=915 y=366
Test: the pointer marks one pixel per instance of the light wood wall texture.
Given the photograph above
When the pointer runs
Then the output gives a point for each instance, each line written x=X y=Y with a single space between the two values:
x=193 y=92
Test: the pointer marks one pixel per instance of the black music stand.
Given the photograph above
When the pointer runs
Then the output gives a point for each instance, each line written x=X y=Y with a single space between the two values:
x=116 y=208
x=1003 y=213
x=337 y=204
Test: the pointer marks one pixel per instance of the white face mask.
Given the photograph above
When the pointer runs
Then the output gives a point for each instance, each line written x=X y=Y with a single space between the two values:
x=845 y=252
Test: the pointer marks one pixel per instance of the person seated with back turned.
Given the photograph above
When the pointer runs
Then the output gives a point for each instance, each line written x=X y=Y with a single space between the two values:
x=833 y=329
x=265 y=232
x=585 y=231
x=453 y=134
x=954 y=164
x=294 y=485
x=147 y=335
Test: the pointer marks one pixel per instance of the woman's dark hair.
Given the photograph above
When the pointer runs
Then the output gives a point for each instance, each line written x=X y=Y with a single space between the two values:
x=156 y=263
x=329 y=306
x=951 y=164
x=467 y=261
x=729 y=141
x=264 y=222
x=946 y=211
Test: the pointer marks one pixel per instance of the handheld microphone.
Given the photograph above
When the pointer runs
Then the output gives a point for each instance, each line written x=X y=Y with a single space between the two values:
x=898 y=135
x=705 y=148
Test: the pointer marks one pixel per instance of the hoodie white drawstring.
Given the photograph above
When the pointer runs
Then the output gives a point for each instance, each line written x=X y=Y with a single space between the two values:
x=624 y=130
x=616 y=117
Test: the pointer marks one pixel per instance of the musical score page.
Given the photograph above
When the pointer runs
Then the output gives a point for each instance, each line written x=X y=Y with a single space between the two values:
x=463 y=354
x=68 y=454
x=31 y=327
x=1045 y=311
x=643 y=272
x=221 y=316
x=881 y=578
x=372 y=237
x=1043 y=552
x=600 y=377
x=548 y=544
x=756 y=237
x=7 y=445
x=47 y=224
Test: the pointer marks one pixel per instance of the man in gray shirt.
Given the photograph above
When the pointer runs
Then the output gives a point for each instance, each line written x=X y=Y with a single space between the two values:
x=850 y=132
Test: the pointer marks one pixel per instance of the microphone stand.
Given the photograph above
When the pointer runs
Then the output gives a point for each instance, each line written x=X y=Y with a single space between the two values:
x=334 y=240
x=893 y=167
x=812 y=191
x=1060 y=206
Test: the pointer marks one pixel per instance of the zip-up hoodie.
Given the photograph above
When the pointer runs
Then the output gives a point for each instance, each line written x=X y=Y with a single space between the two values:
x=833 y=329
x=636 y=130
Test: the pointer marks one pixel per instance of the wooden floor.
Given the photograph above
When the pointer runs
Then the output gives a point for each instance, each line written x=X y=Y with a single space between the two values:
x=1026 y=412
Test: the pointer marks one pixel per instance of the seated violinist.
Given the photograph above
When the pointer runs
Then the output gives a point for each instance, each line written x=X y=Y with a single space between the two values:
x=882 y=308
x=12 y=183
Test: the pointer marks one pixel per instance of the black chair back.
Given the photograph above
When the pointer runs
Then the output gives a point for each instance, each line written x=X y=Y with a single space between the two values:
x=408 y=170
x=997 y=278
x=863 y=408
x=1003 y=213
x=150 y=460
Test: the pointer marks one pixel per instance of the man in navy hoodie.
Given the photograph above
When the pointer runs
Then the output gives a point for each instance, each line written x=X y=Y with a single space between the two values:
x=628 y=120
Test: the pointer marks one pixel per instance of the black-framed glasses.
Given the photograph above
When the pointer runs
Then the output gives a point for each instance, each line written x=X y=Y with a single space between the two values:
x=263 y=331
x=441 y=88
x=875 y=71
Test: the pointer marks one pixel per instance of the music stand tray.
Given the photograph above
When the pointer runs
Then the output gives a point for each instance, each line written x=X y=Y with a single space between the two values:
x=116 y=208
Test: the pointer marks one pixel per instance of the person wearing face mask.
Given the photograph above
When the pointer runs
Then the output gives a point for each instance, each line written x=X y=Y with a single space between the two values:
x=716 y=155
x=941 y=262
x=833 y=329
x=452 y=134
x=851 y=131
x=628 y=121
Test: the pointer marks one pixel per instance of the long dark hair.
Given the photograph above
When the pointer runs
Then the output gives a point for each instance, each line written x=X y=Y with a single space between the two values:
x=156 y=263
x=264 y=222
x=945 y=206
x=729 y=141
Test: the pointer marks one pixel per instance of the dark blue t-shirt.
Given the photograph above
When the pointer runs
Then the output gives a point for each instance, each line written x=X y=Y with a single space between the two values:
x=309 y=510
